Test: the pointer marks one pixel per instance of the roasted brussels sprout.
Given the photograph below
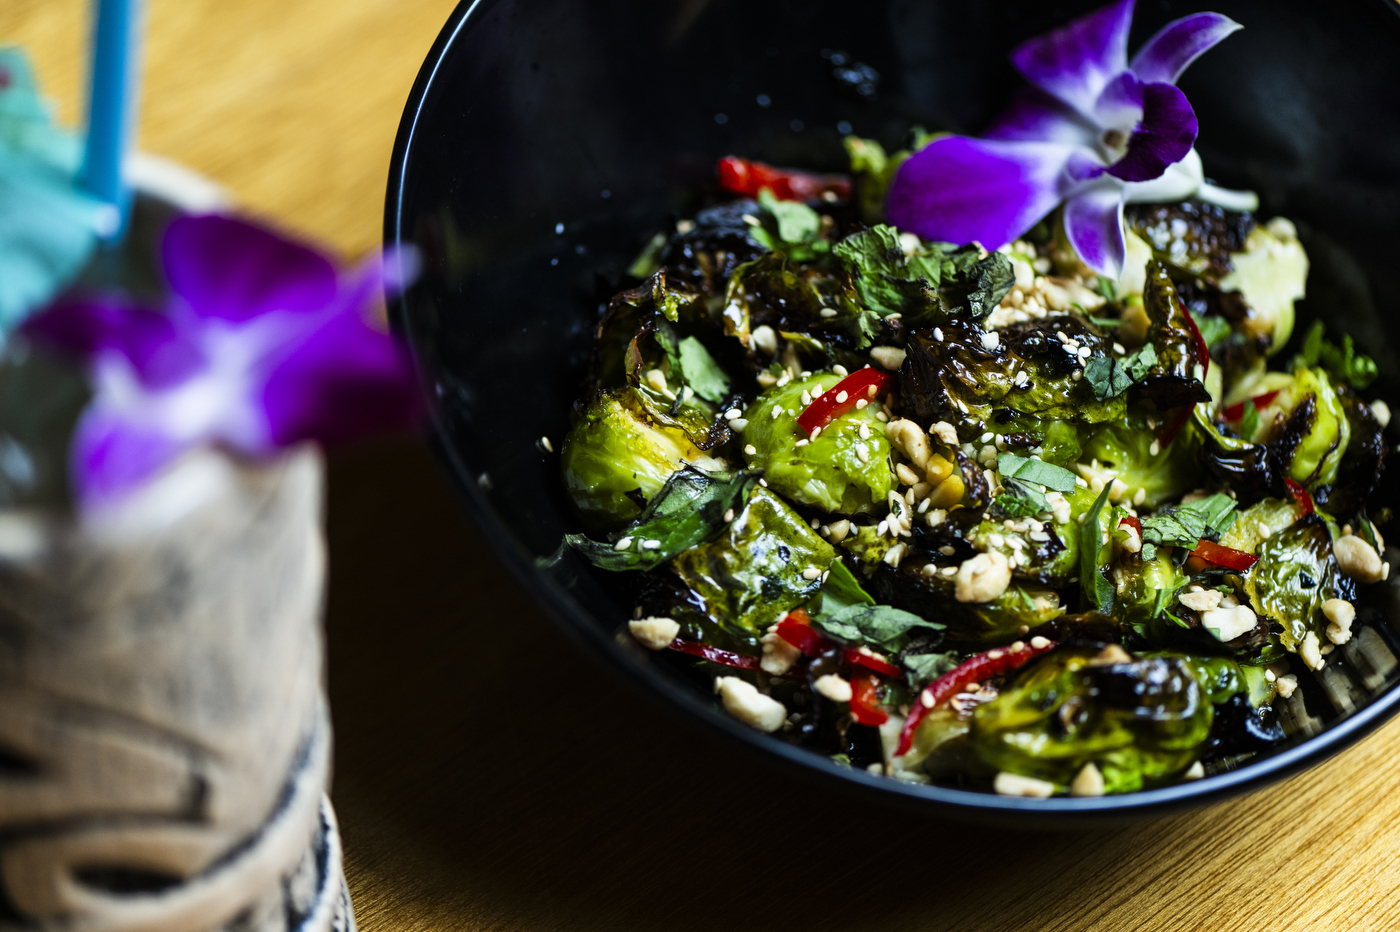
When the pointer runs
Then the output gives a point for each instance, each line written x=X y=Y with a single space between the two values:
x=787 y=296
x=620 y=453
x=1175 y=379
x=846 y=470
x=1133 y=454
x=1139 y=721
x=757 y=571
x=1363 y=463
x=1295 y=574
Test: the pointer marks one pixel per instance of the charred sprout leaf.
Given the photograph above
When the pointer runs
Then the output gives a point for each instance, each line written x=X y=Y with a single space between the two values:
x=1185 y=525
x=703 y=258
x=753 y=574
x=868 y=546
x=1140 y=723
x=925 y=668
x=634 y=317
x=1029 y=470
x=1295 y=574
x=1213 y=327
x=701 y=372
x=1313 y=440
x=842 y=590
x=688 y=510
x=880 y=625
x=1251 y=469
x=788 y=296
x=1133 y=454
x=1147 y=588
x=842 y=471
x=1098 y=591
x=886 y=281
x=1364 y=460
x=1174 y=378
x=1342 y=363
x=978 y=283
x=1111 y=377
x=969 y=624
x=622 y=448
x=1192 y=236
x=1260 y=521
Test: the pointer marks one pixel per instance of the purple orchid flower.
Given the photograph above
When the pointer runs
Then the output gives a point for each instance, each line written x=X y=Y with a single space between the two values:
x=1094 y=131
x=262 y=346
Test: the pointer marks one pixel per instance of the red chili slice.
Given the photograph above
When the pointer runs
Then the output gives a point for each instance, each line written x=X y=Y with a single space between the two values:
x=994 y=662
x=1131 y=522
x=865 y=700
x=796 y=630
x=1301 y=496
x=749 y=178
x=715 y=655
x=1200 y=340
x=1227 y=557
x=831 y=404
x=1235 y=412
x=857 y=659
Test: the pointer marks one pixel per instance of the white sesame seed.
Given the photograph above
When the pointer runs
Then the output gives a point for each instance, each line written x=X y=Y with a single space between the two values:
x=738 y=423
x=988 y=437
x=1155 y=448
x=763 y=482
x=623 y=544
x=729 y=516
x=544 y=442
x=1118 y=348
x=882 y=527
x=881 y=417
x=865 y=431
x=861 y=404
x=1076 y=375
x=840 y=370
x=926 y=699
x=1039 y=643
x=816 y=432
x=777 y=411
x=651 y=545
x=863 y=452
x=828 y=312
x=801 y=443
x=750 y=449
x=811 y=572
x=841 y=397
x=938 y=334
x=806 y=398
x=731 y=414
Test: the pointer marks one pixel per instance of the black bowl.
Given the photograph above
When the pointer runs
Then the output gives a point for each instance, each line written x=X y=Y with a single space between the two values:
x=546 y=140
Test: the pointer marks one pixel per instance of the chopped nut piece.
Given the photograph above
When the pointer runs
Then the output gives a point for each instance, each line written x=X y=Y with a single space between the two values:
x=1203 y=601
x=654 y=633
x=764 y=339
x=1195 y=772
x=778 y=655
x=946 y=433
x=1088 y=782
x=1358 y=559
x=890 y=357
x=909 y=438
x=1110 y=655
x=743 y=701
x=1310 y=651
x=1286 y=684
x=839 y=530
x=1341 y=614
x=983 y=578
x=833 y=687
x=1013 y=784
x=1228 y=621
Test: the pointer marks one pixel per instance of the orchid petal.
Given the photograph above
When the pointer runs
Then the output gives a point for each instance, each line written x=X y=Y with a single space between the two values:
x=1120 y=105
x=1167 y=132
x=151 y=343
x=232 y=270
x=1180 y=181
x=1076 y=61
x=1094 y=226
x=115 y=451
x=962 y=190
x=1167 y=54
x=1035 y=116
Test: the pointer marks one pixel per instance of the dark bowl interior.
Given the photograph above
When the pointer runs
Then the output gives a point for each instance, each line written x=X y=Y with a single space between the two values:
x=547 y=140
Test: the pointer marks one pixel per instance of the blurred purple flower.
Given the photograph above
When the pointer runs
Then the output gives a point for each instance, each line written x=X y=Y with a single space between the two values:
x=1093 y=132
x=262 y=346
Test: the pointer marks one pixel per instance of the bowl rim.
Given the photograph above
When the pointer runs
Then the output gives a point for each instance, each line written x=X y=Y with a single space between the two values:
x=568 y=616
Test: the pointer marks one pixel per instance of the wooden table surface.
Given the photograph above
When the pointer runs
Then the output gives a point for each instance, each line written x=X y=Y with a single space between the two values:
x=473 y=798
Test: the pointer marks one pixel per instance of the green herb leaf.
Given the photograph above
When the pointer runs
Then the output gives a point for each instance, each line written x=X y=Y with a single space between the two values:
x=701 y=371
x=689 y=510
x=953 y=280
x=925 y=668
x=1107 y=288
x=1110 y=377
x=1213 y=327
x=1049 y=475
x=871 y=624
x=1185 y=525
x=1343 y=363
x=1020 y=500
x=1098 y=591
x=1249 y=421
x=842 y=590
x=1110 y=322
x=796 y=222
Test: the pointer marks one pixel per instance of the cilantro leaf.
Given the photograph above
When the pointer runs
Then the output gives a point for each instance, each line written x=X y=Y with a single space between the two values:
x=1098 y=591
x=688 y=511
x=1185 y=525
x=925 y=668
x=953 y=280
x=871 y=624
x=701 y=371
x=841 y=589
x=1342 y=363
x=1110 y=377
x=1213 y=327
x=1049 y=475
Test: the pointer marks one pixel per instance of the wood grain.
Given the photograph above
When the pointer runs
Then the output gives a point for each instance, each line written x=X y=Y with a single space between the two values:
x=489 y=777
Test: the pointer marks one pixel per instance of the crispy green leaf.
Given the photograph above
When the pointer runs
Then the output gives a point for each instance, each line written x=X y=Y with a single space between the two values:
x=1049 y=475
x=1249 y=421
x=796 y=222
x=688 y=510
x=701 y=371
x=1098 y=591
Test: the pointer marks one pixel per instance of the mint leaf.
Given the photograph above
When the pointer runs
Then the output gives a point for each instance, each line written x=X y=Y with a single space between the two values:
x=1049 y=475
x=1098 y=591
x=1249 y=421
x=1213 y=327
x=1185 y=525
x=871 y=624
x=688 y=511
x=925 y=668
x=842 y=590
x=1020 y=500
x=1110 y=377
x=1343 y=363
x=701 y=371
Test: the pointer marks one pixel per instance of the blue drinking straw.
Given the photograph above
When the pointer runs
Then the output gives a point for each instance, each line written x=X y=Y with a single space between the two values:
x=112 y=103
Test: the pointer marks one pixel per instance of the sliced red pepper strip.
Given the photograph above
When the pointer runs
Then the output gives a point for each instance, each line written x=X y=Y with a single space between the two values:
x=829 y=405
x=994 y=662
x=865 y=700
x=1235 y=412
x=1227 y=557
x=1200 y=340
x=1131 y=522
x=749 y=178
x=715 y=655
x=857 y=659
x=1301 y=496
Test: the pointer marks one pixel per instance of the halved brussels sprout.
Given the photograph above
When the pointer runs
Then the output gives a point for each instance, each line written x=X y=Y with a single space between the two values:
x=621 y=452
x=846 y=470
x=1270 y=274
x=759 y=569
x=1131 y=453
x=1139 y=722
x=1295 y=574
